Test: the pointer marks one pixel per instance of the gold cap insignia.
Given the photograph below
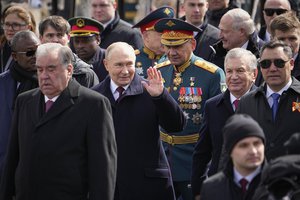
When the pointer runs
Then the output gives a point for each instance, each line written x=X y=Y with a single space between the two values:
x=167 y=11
x=80 y=23
x=170 y=23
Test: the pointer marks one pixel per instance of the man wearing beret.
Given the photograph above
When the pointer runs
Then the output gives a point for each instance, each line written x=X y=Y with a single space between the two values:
x=191 y=81
x=85 y=34
x=244 y=145
x=152 y=50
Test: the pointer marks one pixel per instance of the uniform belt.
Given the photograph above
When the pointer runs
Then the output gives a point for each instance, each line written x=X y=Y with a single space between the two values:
x=175 y=139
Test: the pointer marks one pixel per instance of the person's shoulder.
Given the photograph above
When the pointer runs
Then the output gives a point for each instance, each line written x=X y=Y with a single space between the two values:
x=163 y=64
x=214 y=100
x=205 y=65
x=5 y=75
x=215 y=179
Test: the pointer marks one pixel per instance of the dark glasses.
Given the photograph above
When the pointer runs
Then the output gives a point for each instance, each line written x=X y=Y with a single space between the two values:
x=270 y=11
x=27 y=53
x=279 y=63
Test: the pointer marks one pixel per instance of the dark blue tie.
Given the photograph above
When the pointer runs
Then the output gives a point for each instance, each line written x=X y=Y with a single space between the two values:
x=275 y=97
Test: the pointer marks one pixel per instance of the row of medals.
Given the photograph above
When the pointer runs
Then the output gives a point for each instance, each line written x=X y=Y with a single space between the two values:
x=187 y=101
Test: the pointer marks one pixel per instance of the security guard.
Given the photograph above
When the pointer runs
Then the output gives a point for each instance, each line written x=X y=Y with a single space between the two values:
x=191 y=81
x=85 y=34
x=152 y=50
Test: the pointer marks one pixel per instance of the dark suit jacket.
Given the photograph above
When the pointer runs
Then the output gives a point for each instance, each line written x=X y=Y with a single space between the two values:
x=8 y=88
x=143 y=171
x=205 y=39
x=209 y=146
x=65 y=154
x=120 y=31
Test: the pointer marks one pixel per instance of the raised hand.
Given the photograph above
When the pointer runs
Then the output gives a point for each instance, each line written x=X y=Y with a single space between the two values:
x=155 y=85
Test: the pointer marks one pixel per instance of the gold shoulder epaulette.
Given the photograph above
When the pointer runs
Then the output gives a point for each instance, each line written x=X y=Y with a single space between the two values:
x=137 y=52
x=163 y=64
x=205 y=65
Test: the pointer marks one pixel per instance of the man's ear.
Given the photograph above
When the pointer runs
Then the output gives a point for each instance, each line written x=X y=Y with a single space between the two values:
x=105 y=64
x=14 y=56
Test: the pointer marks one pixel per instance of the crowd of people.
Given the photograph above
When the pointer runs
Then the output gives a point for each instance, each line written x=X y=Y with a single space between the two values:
x=202 y=107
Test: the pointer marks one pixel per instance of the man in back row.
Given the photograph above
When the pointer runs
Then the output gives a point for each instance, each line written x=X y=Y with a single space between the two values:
x=55 y=29
x=115 y=29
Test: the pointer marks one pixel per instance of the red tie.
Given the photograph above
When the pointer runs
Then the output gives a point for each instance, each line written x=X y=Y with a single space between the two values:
x=236 y=103
x=49 y=103
x=120 y=90
x=243 y=182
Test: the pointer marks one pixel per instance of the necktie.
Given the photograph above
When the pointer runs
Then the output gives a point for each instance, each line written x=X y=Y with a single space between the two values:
x=236 y=103
x=49 y=103
x=275 y=97
x=120 y=90
x=243 y=182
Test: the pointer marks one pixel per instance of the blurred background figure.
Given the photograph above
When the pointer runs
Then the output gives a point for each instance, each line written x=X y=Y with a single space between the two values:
x=115 y=29
x=195 y=14
x=15 y=19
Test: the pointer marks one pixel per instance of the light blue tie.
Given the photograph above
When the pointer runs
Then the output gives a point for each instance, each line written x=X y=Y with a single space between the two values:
x=275 y=97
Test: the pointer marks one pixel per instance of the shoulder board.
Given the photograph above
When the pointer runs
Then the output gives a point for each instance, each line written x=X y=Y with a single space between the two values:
x=205 y=65
x=163 y=64
x=137 y=52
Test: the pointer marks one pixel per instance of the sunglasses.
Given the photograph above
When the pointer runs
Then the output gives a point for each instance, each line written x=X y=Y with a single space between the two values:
x=270 y=11
x=27 y=53
x=279 y=63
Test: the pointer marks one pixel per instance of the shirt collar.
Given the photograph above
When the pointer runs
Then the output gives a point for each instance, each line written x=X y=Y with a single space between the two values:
x=245 y=45
x=249 y=177
x=114 y=86
x=286 y=87
x=53 y=99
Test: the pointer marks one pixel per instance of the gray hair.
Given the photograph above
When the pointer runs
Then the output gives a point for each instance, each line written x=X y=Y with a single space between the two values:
x=244 y=55
x=241 y=19
x=114 y=45
x=65 y=54
x=22 y=36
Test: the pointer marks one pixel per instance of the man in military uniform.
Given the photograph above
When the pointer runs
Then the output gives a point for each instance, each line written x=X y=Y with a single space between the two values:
x=85 y=34
x=152 y=50
x=191 y=81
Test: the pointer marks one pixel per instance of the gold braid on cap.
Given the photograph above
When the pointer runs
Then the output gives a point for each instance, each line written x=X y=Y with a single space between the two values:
x=173 y=35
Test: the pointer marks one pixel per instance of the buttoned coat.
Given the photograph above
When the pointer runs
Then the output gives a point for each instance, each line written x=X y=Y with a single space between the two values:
x=287 y=119
x=143 y=171
x=67 y=153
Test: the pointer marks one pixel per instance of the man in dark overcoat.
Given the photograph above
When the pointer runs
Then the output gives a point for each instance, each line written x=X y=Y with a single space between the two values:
x=62 y=144
x=139 y=108
x=240 y=74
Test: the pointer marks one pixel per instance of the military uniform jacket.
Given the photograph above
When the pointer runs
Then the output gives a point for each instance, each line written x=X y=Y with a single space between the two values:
x=145 y=58
x=287 y=119
x=190 y=85
x=143 y=170
x=67 y=153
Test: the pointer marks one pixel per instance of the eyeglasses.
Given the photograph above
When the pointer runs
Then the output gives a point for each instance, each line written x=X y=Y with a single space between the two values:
x=279 y=63
x=27 y=53
x=270 y=11
x=14 y=26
